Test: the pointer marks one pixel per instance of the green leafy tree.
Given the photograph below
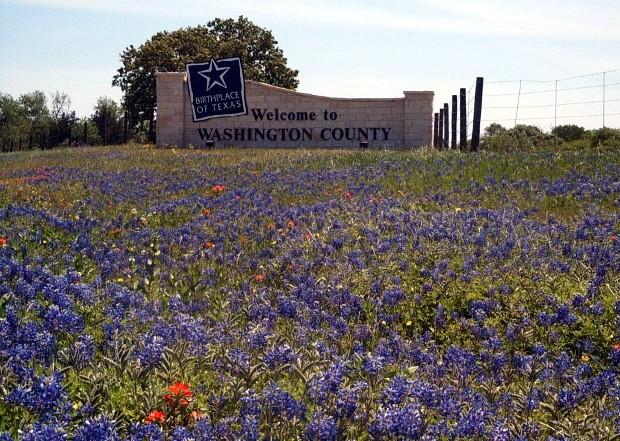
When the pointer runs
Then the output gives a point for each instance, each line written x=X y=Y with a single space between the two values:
x=166 y=51
x=107 y=119
x=84 y=131
x=13 y=123
x=34 y=107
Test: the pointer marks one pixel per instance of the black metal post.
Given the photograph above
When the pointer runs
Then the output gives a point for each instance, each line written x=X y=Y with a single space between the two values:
x=453 y=139
x=475 y=136
x=463 y=108
x=446 y=123
x=440 y=130
x=435 y=129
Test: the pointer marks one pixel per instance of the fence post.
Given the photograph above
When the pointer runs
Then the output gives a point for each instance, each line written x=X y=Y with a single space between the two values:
x=518 y=101
x=446 y=126
x=463 y=108
x=436 y=131
x=86 y=132
x=475 y=135
x=440 y=138
x=604 y=84
x=555 y=107
x=453 y=122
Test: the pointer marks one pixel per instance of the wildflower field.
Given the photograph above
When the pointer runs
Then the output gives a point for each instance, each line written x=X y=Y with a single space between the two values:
x=309 y=295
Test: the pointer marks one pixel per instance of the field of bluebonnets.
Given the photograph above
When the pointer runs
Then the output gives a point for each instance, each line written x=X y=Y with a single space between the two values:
x=319 y=295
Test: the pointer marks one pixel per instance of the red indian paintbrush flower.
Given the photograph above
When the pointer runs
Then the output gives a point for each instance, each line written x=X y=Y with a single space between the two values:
x=616 y=346
x=156 y=416
x=3 y=241
x=218 y=188
x=179 y=392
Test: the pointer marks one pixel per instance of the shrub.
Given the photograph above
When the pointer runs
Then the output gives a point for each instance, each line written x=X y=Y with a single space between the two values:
x=568 y=132
x=605 y=137
x=519 y=137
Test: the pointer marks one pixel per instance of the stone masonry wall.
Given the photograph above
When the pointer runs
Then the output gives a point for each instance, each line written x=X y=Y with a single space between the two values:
x=389 y=122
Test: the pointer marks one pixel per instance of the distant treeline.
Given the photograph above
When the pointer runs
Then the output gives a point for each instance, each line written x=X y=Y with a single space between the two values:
x=29 y=122
x=522 y=136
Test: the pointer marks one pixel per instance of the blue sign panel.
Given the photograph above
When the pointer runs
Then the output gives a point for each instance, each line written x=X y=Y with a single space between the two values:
x=216 y=88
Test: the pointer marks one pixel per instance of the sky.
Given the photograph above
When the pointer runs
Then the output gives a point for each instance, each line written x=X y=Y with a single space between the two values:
x=346 y=49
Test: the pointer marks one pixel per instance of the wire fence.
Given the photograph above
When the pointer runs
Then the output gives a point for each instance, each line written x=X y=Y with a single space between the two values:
x=590 y=100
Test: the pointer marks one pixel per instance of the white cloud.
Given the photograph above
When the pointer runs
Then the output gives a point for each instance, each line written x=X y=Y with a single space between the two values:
x=522 y=18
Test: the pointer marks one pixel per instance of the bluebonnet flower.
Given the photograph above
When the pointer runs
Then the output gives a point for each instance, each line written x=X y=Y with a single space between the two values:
x=279 y=356
x=566 y=398
x=282 y=403
x=347 y=399
x=97 y=429
x=250 y=404
x=46 y=432
x=398 y=422
x=392 y=297
x=321 y=386
x=286 y=308
x=249 y=429
x=562 y=363
x=397 y=390
x=44 y=395
x=152 y=351
x=321 y=428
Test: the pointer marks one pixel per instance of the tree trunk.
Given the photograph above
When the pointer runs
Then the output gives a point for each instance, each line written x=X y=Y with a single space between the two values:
x=152 y=129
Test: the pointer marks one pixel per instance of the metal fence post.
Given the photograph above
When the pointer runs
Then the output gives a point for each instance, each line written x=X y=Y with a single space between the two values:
x=440 y=131
x=436 y=131
x=446 y=129
x=463 y=108
x=475 y=136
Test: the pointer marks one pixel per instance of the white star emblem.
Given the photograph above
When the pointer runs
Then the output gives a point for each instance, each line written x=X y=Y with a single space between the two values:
x=214 y=75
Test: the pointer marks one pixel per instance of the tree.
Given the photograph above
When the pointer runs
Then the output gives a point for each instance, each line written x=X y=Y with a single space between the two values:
x=166 y=51
x=13 y=123
x=61 y=104
x=84 y=131
x=107 y=118
x=568 y=132
x=62 y=117
x=34 y=107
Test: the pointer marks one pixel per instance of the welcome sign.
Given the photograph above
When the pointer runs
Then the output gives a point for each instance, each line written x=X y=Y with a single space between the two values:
x=191 y=107
x=216 y=88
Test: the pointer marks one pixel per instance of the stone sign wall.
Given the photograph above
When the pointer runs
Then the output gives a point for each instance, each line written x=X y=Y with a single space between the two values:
x=280 y=117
